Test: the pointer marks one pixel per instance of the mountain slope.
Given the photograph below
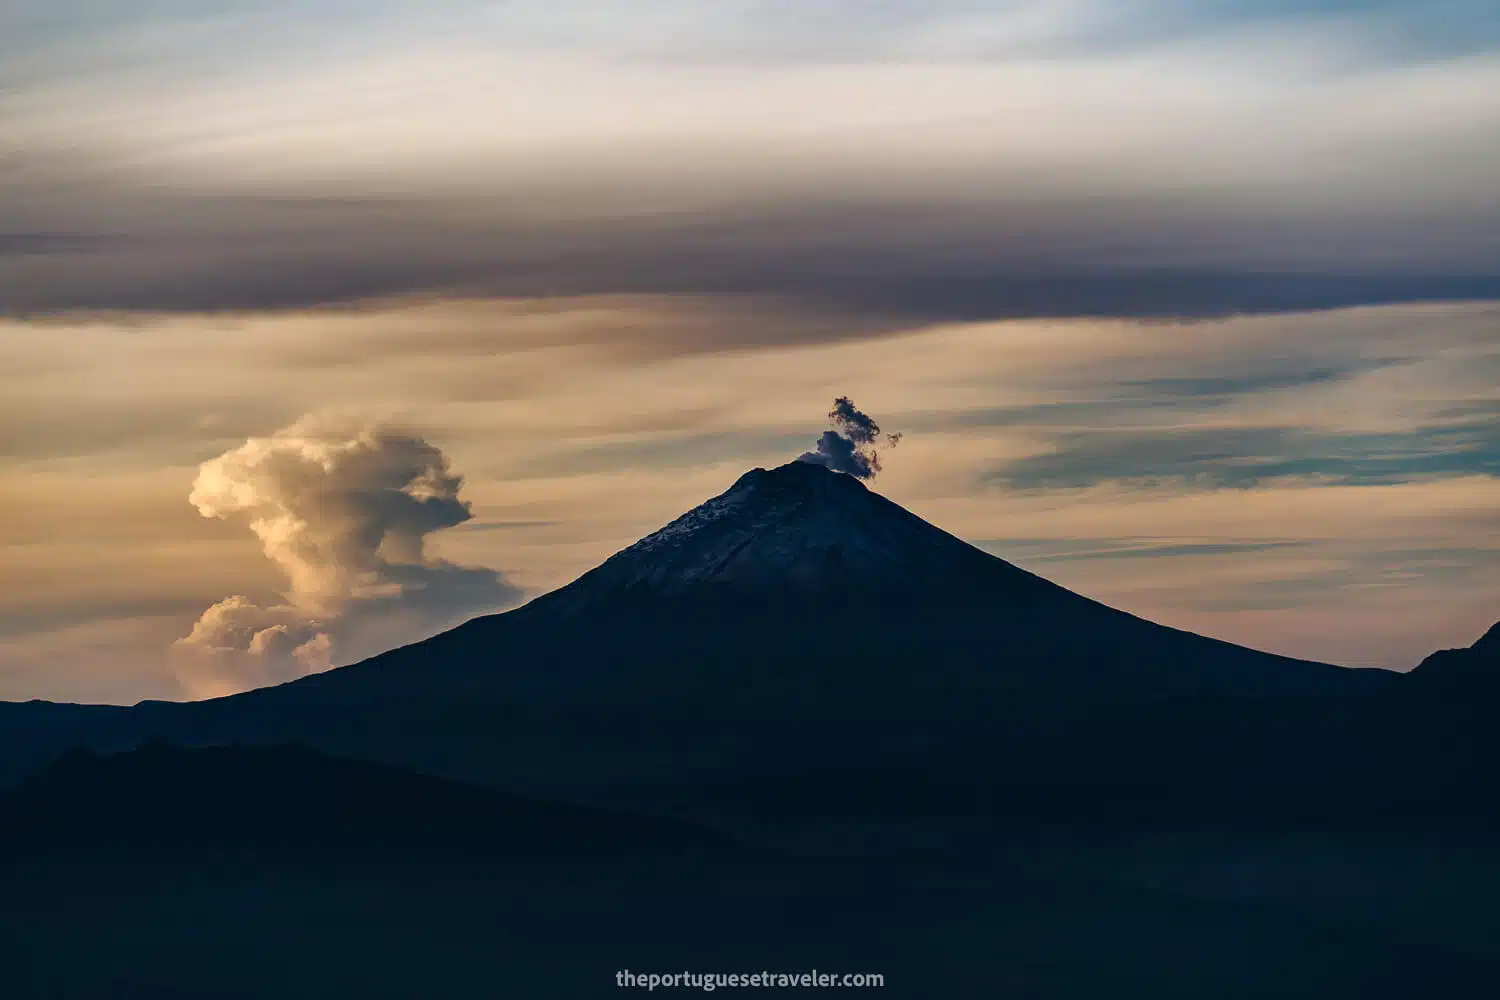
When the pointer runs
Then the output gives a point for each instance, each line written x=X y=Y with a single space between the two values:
x=798 y=623
x=289 y=801
x=1470 y=672
x=812 y=561
x=1435 y=731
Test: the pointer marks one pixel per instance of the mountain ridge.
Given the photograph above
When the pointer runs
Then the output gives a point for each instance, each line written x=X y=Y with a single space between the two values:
x=797 y=622
x=799 y=530
x=1469 y=670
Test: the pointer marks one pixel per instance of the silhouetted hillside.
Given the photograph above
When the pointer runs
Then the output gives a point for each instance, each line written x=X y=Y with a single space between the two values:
x=1471 y=672
x=291 y=801
x=275 y=871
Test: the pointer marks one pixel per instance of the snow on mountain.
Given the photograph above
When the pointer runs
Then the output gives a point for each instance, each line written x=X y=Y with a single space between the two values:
x=799 y=529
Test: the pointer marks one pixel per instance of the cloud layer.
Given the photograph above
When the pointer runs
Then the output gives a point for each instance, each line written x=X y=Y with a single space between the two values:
x=942 y=161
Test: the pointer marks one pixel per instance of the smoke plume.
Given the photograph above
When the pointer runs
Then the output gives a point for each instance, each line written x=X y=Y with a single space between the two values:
x=344 y=517
x=851 y=446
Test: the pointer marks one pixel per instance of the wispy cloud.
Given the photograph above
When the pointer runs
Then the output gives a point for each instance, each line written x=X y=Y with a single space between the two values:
x=949 y=161
x=1069 y=550
x=1242 y=457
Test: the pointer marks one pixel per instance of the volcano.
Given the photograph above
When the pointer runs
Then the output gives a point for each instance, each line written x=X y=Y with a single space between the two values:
x=805 y=563
x=796 y=623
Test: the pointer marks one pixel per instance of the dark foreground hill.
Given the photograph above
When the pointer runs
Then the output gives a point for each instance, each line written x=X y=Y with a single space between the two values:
x=257 y=872
x=292 y=803
x=1470 y=675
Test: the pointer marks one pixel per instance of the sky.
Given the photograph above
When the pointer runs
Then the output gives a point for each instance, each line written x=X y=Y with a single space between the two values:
x=325 y=325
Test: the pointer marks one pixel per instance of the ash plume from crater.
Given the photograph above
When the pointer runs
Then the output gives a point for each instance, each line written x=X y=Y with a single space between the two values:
x=344 y=515
x=851 y=446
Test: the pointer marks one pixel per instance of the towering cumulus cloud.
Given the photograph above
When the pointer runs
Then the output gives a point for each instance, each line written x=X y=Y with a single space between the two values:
x=344 y=516
x=851 y=446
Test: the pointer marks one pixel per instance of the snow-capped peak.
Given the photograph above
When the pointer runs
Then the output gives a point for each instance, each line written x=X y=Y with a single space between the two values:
x=796 y=529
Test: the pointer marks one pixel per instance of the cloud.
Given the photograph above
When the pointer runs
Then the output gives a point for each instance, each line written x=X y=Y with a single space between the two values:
x=755 y=32
x=1016 y=255
x=237 y=644
x=850 y=446
x=344 y=516
x=1053 y=550
x=334 y=512
x=1136 y=159
x=1247 y=457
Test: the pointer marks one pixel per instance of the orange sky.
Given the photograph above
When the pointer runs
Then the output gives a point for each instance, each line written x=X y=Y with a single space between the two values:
x=1321 y=484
